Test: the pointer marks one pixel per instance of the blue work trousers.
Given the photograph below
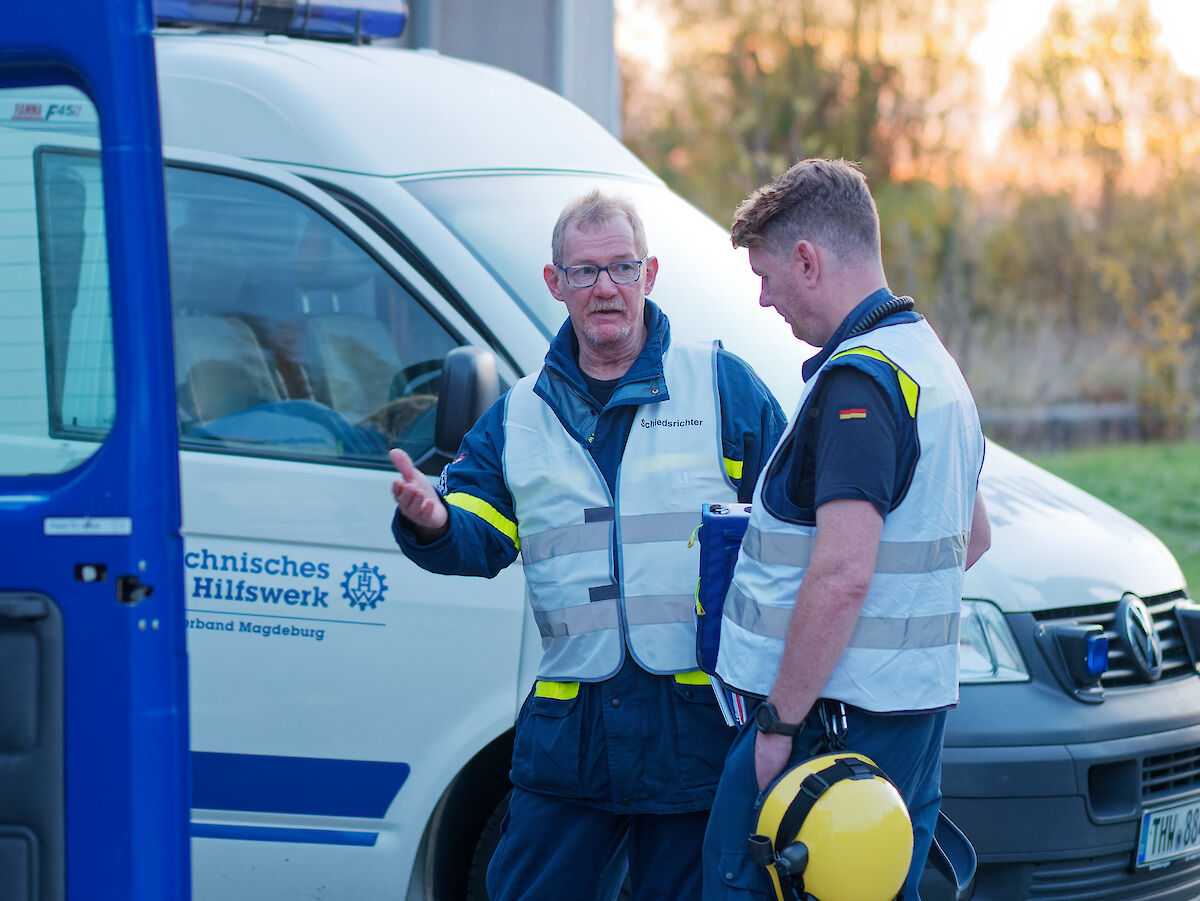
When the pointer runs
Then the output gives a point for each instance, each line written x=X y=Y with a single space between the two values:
x=555 y=850
x=908 y=747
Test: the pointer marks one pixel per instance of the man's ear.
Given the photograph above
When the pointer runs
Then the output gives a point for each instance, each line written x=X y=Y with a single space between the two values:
x=807 y=260
x=650 y=273
x=550 y=274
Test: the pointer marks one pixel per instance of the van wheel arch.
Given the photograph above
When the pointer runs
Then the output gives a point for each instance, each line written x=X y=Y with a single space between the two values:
x=457 y=828
x=488 y=840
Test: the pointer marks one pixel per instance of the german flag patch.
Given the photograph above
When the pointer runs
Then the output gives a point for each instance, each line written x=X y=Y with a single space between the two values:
x=853 y=413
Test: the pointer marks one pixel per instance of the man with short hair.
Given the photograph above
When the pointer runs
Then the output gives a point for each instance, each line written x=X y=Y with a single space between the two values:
x=847 y=590
x=594 y=469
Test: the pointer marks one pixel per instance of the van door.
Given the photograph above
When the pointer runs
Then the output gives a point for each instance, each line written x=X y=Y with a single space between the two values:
x=93 y=787
x=337 y=689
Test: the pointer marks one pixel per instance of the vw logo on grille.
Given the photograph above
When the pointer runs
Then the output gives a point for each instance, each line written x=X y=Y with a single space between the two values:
x=1135 y=626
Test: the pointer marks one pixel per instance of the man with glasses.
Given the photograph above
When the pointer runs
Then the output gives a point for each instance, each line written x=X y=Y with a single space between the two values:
x=594 y=470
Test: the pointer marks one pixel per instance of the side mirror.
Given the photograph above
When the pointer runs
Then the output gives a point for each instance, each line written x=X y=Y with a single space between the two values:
x=470 y=384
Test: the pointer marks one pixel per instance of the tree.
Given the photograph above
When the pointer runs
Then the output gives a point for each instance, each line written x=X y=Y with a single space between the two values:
x=1102 y=91
x=1073 y=275
x=753 y=85
x=1113 y=121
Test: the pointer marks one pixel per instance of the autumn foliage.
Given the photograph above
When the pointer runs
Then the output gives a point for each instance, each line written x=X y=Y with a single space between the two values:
x=1062 y=264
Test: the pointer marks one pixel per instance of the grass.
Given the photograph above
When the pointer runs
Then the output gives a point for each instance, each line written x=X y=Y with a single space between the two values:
x=1156 y=484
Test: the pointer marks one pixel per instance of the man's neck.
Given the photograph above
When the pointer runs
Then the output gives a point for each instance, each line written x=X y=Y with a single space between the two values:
x=604 y=368
x=853 y=287
x=610 y=361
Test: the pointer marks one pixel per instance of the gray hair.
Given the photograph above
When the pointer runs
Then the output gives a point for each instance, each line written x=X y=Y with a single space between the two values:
x=593 y=209
x=824 y=201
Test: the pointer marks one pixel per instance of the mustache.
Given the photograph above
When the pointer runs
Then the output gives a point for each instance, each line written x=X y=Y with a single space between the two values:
x=606 y=307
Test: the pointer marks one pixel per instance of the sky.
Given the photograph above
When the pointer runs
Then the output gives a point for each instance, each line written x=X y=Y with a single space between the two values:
x=1013 y=24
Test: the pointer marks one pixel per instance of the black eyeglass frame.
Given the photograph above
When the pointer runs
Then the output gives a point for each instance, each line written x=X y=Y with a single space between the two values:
x=567 y=270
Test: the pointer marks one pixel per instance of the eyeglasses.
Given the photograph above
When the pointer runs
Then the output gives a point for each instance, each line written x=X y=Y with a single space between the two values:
x=622 y=272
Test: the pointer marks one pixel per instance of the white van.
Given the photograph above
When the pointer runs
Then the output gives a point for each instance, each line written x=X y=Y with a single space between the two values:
x=343 y=219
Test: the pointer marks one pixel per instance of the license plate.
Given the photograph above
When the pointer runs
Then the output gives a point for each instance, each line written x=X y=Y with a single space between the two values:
x=1169 y=832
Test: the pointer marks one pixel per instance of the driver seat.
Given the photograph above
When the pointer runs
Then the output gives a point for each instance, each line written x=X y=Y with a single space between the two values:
x=221 y=367
x=353 y=364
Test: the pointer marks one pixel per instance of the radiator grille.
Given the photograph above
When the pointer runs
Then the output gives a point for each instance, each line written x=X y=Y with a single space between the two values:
x=1168 y=775
x=1112 y=878
x=1121 y=671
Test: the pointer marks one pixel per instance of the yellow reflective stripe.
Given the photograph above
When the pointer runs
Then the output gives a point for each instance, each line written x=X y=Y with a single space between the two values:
x=695 y=677
x=911 y=391
x=560 y=691
x=486 y=512
x=733 y=468
x=909 y=388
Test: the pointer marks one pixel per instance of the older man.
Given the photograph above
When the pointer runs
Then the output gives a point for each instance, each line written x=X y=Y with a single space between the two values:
x=846 y=595
x=593 y=469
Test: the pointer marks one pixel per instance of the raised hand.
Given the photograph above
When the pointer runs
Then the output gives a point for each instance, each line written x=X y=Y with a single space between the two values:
x=419 y=502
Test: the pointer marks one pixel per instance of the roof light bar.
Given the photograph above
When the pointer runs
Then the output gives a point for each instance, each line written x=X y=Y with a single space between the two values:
x=352 y=20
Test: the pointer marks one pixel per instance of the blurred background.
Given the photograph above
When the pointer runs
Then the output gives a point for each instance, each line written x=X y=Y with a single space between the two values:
x=1035 y=163
x=1036 y=168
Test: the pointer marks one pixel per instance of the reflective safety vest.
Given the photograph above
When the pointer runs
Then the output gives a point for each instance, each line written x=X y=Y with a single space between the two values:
x=571 y=530
x=903 y=653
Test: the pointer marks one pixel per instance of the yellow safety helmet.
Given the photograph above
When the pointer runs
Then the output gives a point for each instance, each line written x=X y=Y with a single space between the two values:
x=834 y=828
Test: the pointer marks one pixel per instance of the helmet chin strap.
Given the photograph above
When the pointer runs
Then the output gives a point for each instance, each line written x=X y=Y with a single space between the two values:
x=785 y=870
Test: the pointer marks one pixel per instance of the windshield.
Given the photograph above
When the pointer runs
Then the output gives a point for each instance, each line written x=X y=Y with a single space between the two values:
x=704 y=285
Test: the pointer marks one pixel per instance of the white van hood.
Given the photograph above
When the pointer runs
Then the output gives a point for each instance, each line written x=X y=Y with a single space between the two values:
x=408 y=112
x=1055 y=546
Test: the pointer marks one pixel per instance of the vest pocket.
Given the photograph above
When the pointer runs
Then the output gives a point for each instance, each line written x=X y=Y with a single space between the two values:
x=701 y=736
x=546 y=746
x=742 y=877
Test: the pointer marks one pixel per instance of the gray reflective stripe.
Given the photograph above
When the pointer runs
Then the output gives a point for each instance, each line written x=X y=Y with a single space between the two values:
x=645 y=610
x=572 y=539
x=741 y=609
x=565 y=621
x=891 y=633
x=792 y=549
x=593 y=535
x=658 y=527
x=649 y=609
x=921 y=556
x=903 y=632
x=777 y=548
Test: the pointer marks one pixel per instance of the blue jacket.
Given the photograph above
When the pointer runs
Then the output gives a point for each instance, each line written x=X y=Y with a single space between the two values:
x=612 y=745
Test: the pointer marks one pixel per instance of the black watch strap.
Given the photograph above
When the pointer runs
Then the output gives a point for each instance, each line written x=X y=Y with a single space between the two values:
x=766 y=717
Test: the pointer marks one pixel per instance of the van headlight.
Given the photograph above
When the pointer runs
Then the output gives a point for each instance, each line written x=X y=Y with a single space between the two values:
x=987 y=649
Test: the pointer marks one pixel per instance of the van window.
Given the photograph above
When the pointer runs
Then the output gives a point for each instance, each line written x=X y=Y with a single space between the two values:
x=704 y=285
x=291 y=339
x=485 y=212
x=57 y=389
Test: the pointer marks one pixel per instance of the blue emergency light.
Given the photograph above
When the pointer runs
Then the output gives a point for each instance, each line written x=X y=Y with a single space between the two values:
x=348 y=20
x=1096 y=654
x=1078 y=655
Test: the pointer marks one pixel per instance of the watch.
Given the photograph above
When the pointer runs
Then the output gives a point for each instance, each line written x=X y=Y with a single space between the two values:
x=766 y=717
